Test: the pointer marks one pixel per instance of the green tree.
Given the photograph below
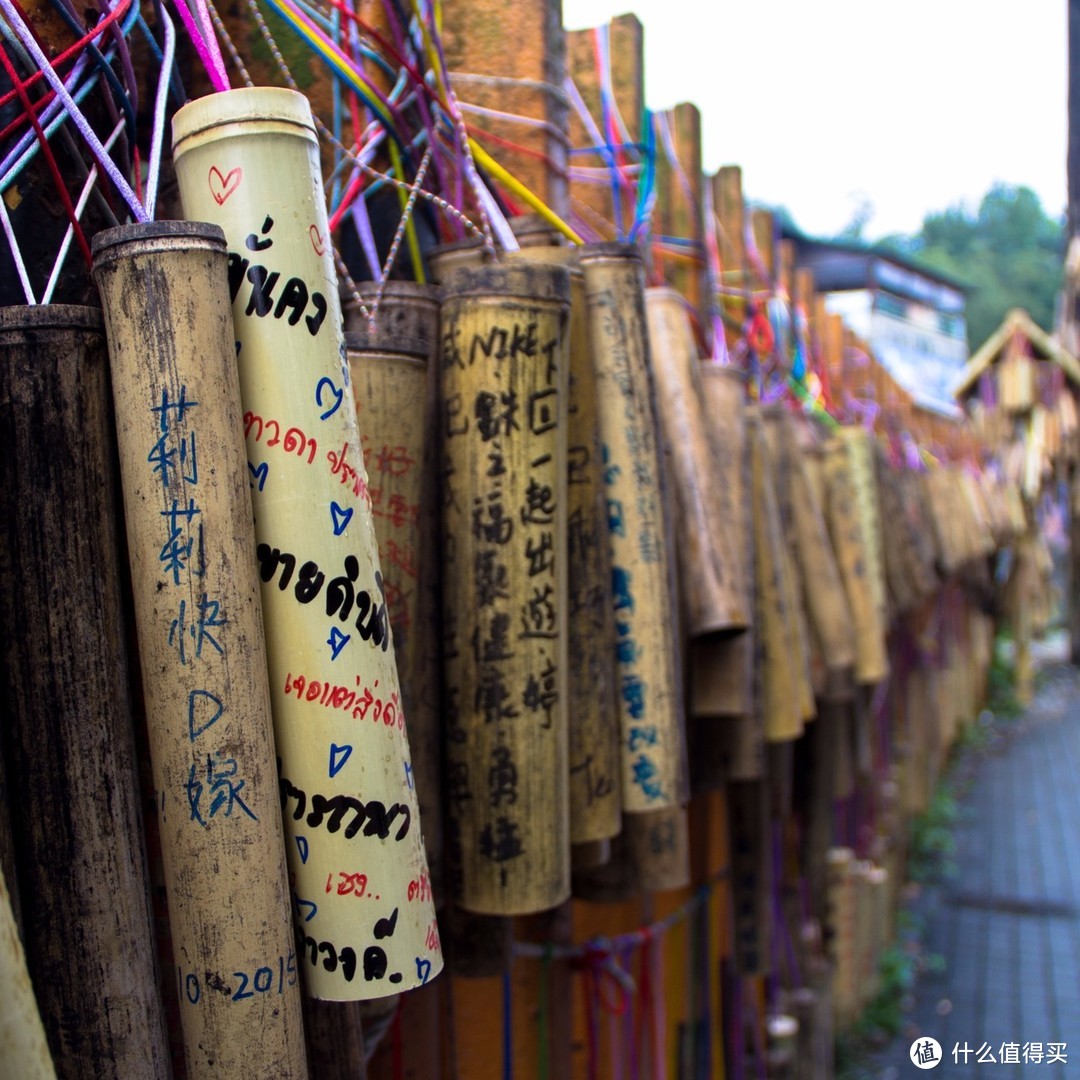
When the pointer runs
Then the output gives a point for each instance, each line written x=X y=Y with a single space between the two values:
x=1010 y=252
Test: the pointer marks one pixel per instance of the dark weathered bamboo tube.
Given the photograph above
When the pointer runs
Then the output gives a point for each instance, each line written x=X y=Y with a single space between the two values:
x=781 y=698
x=649 y=689
x=714 y=599
x=751 y=862
x=68 y=738
x=390 y=377
x=849 y=543
x=595 y=800
x=248 y=160
x=444 y=259
x=24 y=1051
x=193 y=568
x=335 y=1038
x=505 y=359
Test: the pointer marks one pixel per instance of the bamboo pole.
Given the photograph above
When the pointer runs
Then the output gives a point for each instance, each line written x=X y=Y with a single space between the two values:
x=505 y=363
x=68 y=738
x=248 y=160
x=193 y=567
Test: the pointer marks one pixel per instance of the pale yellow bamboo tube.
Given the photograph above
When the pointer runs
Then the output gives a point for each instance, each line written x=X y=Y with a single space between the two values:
x=505 y=361
x=722 y=669
x=24 y=1052
x=845 y=529
x=706 y=539
x=248 y=160
x=859 y=444
x=595 y=797
x=164 y=290
x=389 y=383
x=649 y=684
x=781 y=701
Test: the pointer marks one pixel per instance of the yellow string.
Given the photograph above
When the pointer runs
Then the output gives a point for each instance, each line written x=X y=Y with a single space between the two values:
x=509 y=181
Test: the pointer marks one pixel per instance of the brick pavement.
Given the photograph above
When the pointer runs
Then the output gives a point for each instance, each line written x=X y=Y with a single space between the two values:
x=1007 y=923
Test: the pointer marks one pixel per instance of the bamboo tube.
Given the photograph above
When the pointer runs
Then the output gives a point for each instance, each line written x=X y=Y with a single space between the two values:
x=781 y=698
x=248 y=160
x=335 y=1038
x=82 y=871
x=200 y=642
x=443 y=259
x=713 y=597
x=24 y=1052
x=826 y=603
x=840 y=931
x=849 y=543
x=750 y=875
x=72 y=783
x=595 y=799
x=504 y=376
x=859 y=444
x=407 y=315
x=650 y=704
x=389 y=377
x=722 y=668
x=794 y=592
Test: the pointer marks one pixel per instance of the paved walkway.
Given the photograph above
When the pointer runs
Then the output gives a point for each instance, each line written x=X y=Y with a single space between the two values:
x=1007 y=923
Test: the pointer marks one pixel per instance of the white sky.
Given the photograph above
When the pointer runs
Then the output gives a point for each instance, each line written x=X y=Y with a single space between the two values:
x=913 y=106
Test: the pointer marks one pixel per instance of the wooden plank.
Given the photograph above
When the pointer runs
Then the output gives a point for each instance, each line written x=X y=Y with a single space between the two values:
x=514 y=65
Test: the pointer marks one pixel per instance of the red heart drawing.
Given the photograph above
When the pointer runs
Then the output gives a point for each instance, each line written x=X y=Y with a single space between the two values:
x=317 y=241
x=221 y=187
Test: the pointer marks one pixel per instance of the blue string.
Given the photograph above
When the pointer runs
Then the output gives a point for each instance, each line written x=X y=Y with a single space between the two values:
x=508 y=1028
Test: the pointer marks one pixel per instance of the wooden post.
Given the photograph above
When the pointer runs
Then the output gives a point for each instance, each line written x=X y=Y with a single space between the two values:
x=248 y=160
x=513 y=65
x=678 y=210
x=593 y=201
x=68 y=742
x=201 y=646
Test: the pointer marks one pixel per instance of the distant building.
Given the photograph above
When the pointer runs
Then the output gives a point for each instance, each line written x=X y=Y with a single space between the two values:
x=910 y=315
